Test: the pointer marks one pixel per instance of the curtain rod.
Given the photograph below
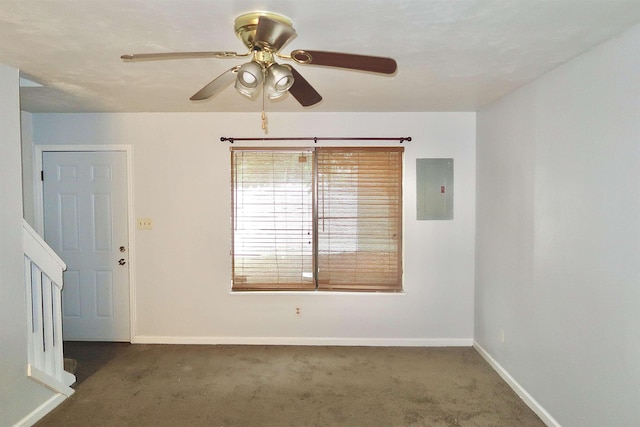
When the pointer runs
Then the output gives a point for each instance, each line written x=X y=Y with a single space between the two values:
x=315 y=139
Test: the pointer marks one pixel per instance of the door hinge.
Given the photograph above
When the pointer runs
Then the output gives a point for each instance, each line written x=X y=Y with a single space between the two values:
x=41 y=175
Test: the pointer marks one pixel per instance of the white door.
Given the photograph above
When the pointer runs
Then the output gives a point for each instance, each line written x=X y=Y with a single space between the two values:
x=85 y=222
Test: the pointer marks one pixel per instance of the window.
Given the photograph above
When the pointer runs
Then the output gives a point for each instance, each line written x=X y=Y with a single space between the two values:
x=317 y=219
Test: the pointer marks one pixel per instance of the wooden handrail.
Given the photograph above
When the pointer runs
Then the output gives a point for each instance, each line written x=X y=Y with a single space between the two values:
x=42 y=255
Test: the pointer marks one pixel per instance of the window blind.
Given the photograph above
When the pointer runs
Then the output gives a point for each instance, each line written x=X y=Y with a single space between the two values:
x=272 y=219
x=360 y=218
x=326 y=218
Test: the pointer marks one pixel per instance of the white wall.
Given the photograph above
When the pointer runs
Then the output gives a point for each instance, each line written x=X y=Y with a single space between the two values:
x=182 y=267
x=19 y=396
x=28 y=195
x=558 y=236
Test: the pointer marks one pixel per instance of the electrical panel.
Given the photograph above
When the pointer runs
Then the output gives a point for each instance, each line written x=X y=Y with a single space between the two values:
x=435 y=189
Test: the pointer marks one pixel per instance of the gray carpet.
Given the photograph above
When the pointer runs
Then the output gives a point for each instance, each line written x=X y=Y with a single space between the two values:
x=229 y=386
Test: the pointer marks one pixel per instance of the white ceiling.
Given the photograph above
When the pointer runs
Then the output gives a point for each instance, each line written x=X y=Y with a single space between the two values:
x=453 y=55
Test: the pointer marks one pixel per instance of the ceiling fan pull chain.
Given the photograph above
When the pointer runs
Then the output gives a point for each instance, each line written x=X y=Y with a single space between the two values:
x=264 y=115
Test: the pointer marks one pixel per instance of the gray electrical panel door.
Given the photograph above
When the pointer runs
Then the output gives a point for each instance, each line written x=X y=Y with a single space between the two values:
x=435 y=188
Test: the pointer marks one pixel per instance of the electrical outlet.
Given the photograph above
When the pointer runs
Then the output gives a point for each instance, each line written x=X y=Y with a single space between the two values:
x=298 y=311
x=502 y=335
x=144 y=224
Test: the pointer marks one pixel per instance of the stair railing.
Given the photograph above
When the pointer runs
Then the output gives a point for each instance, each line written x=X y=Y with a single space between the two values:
x=43 y=270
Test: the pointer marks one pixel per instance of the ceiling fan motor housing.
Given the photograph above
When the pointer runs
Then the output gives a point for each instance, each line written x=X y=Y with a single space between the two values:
x=271 y=38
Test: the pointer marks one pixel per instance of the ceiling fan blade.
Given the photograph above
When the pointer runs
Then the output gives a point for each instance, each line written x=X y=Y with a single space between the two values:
x=374 y=64
x=216 y=85
x=271 y=34
x=179 y=55
x=302 y=90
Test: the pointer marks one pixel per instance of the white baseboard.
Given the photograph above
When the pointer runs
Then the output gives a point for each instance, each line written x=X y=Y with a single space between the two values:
x=42 y=410
x=51 y=383
x=520 y=391
x=356 y=342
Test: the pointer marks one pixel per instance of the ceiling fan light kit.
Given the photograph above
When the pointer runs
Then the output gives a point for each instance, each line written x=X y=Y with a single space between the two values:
x=249 y=79
x=264 y=34
x=278 y=81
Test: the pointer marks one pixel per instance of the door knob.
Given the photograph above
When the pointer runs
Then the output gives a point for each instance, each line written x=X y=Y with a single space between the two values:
x=121 y=261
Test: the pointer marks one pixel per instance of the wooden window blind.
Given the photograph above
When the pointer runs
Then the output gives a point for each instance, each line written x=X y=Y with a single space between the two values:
x=272 y=219
x=360 y=219
x=326 y=218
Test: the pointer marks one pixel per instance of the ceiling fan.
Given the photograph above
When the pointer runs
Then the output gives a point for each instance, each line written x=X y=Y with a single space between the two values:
x=264 y=34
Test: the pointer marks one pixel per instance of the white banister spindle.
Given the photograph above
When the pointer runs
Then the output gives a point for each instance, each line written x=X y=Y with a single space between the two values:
x=43 y=284
x=57 y=334
x=47 y=326
x=36 y=310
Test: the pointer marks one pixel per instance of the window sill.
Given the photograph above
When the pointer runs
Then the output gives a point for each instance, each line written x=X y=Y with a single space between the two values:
x=331 y=293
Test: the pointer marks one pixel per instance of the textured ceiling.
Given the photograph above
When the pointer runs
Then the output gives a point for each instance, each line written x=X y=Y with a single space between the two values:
x=453 y=55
